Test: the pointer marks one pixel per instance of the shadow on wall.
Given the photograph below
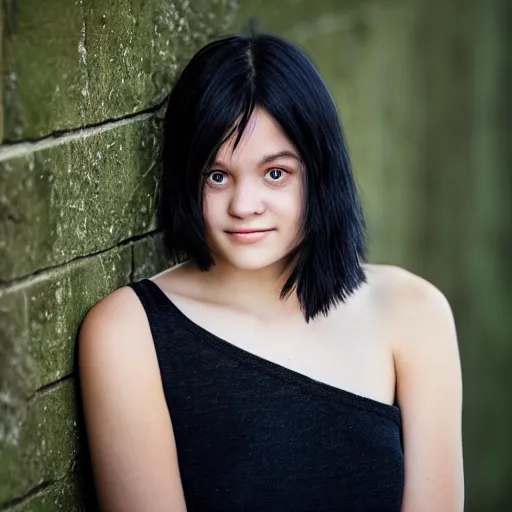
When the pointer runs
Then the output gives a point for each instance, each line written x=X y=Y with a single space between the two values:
x=84 y=476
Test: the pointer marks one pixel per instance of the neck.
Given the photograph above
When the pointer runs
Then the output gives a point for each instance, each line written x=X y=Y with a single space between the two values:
x=254 y=291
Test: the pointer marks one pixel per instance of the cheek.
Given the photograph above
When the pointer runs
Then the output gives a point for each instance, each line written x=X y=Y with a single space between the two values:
x=290 y=204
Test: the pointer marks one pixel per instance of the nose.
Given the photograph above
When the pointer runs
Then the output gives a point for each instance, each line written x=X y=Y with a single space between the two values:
x=247 y=200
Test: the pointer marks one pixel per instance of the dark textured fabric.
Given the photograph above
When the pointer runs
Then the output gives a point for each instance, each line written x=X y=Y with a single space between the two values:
x=252 y=435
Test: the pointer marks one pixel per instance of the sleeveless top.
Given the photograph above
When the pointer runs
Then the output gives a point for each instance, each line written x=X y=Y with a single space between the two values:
x=254 y=436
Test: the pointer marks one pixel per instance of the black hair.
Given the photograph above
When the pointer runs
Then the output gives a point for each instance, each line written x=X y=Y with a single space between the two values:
x=214 y=98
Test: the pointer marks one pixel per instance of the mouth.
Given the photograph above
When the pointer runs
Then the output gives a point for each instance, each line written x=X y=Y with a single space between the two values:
x=249 y=235
x=248 y=231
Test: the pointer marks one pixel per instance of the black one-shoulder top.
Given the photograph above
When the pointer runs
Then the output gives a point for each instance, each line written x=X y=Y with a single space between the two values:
x=252 y=435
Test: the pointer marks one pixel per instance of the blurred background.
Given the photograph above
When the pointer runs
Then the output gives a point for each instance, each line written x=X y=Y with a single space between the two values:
x=423 y=92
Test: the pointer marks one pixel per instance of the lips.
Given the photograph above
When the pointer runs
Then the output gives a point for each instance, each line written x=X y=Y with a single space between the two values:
x=248 y=236
x=248 y=231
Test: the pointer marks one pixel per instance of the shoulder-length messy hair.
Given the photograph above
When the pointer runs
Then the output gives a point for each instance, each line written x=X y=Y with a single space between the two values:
x=213 y=99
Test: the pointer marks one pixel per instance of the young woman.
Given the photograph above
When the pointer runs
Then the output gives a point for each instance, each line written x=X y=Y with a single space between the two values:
x=273 y=370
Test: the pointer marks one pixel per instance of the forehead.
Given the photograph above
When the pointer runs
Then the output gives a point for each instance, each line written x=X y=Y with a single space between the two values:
x=261 y=136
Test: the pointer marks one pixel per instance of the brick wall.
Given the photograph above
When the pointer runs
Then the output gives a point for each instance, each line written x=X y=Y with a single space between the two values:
x=82 y=87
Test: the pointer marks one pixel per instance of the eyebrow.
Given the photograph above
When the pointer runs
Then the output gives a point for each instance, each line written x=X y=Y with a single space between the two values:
x=270 y=157
x=280 y=154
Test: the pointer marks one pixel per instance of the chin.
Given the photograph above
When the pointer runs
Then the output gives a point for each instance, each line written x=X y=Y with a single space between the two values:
x=252 y=260
x=253 y=263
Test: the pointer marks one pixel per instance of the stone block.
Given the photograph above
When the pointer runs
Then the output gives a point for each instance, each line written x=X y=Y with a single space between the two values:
x=149 y=257
x=38 y=441
x=43 y=75
x=17 y=369
x=77 y=198
x=39 y=322
x=135 y=49
x=73 y=64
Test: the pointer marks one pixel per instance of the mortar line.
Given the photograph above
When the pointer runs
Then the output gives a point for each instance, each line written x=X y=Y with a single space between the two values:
x=8 y=151
x=46 y=272
x=36 y=491
x=19 y=502
x=48 y=388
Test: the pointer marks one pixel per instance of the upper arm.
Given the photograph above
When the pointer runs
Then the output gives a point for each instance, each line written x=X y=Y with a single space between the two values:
x=129 y=430
x=429 y=389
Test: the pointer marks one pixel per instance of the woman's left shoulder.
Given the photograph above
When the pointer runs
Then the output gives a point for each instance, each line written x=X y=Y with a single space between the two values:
x=428 y=385
x=418 y=311
x=405 y=292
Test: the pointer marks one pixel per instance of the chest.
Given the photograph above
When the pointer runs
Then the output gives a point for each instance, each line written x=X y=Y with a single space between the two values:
x=349 y=351
x=254 y=436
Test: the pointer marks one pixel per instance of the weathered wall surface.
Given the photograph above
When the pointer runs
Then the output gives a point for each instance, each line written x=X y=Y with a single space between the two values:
x=423 y=92
x=81 y=86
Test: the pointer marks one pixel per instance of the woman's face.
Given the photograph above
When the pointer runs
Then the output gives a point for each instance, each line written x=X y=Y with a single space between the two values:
x=253 y=197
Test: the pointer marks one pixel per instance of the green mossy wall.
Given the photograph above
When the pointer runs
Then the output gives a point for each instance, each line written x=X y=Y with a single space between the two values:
x=81 y=94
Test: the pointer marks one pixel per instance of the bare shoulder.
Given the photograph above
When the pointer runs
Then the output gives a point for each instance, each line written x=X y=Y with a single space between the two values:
x=120 y=309
x=128 y=425
x=400 y=284
x=412 y=302
x=429 y=387
x=115 y=344
x=420 y=318
x=116 y=327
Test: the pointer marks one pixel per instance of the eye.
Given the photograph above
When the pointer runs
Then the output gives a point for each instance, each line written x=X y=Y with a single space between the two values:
x=216 y=177
x=276 y=174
